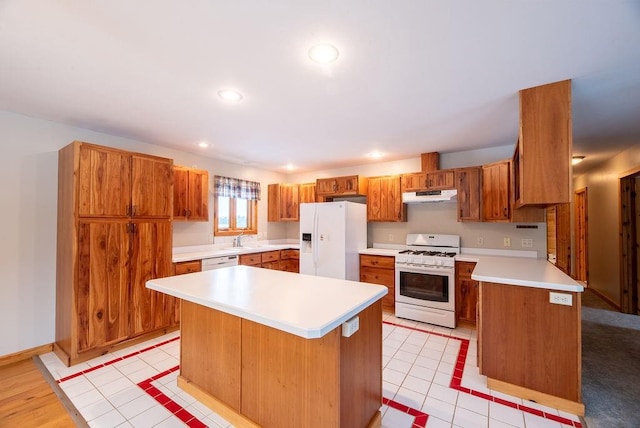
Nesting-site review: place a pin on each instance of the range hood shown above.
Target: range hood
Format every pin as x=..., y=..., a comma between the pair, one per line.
x=429, y=196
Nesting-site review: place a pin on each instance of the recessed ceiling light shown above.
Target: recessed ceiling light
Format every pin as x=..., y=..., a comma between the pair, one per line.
x=323, y=53
x=203, y=144
x=290, y=167
x=576, y=160
x=229, y=95
x=375, y=154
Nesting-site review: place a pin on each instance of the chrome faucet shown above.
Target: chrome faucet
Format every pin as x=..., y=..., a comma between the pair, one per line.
x=238, y=240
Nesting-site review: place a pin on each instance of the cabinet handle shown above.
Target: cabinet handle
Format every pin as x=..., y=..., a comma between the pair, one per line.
x=188, y=213
x=506, y=212
x=134, y=208
x=127, y=210
x=184, y=213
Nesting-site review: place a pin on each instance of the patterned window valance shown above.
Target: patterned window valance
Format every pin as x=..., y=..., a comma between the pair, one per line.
x=235, y=188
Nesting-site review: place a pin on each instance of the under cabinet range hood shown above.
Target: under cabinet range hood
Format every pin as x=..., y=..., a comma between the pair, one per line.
x=426, y=196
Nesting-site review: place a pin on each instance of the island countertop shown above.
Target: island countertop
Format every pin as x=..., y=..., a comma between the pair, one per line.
x=305, y=305
x=522, y=271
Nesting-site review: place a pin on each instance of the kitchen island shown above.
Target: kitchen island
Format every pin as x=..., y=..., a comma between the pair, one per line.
x=529, y=331
x=267, y=348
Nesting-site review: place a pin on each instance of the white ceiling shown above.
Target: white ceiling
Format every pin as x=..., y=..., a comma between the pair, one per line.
x=413, y=76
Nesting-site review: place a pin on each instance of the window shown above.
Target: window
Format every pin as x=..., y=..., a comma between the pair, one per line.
x=235, y=206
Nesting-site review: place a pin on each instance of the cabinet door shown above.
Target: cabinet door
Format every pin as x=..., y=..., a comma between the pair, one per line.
x=152, y=187
x=441, y=180
x=150, y=258
x=198, y=205
x=384, y=199
x=180, y=193
x=469, y=189
x=466, y=293
x=495, y=191
x=288, y=204
x=307, y=193
x=414, y=182
x=102, y=294
x=326, y=186
x=104, y=182
x=250, y=259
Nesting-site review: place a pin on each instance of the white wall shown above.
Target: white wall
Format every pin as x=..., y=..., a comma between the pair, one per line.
x=28, y=215
x=603, y=211
x=437, y=218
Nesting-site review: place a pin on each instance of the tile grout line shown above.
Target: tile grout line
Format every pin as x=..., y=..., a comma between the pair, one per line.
x=456, y=381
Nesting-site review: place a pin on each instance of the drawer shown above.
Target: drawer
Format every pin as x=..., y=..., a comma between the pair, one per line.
x=269, y=256
x=271, y=265
x=250, y=259
x=387, y=262
x=289, y=254
x=375, y=275
x=465, y=269
x=187, y=267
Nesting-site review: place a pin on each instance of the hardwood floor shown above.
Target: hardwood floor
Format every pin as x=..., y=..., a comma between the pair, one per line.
x=27, y=400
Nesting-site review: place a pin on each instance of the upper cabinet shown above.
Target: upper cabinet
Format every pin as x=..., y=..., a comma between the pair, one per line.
x=469, y=187
x=437, y=180
x=351, y=185
x=283, y=202
x=384, y=199
x=495, y=191
x=190, y=194
x=115, y=183
x=307, y=193
x=542, y=159
x=498, y=203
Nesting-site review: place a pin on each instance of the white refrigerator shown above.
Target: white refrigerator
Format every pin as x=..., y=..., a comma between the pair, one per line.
x=331, y=236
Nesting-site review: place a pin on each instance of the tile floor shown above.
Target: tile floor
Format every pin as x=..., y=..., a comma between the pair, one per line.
x=430, y=379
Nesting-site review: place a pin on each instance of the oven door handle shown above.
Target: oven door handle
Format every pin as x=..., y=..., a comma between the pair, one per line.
x=435, y=271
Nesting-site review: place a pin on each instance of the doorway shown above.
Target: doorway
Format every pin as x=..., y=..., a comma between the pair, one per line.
x=581, y=228
x=629, y=241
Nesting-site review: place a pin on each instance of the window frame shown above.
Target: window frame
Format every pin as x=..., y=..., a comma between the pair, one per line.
x=252, y=218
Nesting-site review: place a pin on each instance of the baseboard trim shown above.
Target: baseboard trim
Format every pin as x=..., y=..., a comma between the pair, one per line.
x=605, y=298
x=25, y=355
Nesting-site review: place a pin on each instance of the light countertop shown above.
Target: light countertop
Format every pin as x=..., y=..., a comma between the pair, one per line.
x=305, y=305
x=521, y=268
x=199, y=252
x=522, y=271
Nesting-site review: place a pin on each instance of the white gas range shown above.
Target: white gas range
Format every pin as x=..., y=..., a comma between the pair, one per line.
x=425, y=279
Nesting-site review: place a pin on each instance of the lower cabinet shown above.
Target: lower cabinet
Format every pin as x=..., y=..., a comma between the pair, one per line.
x=286, y=260
x=191, y=266
x=290, y=260
x=380, y=270
x=466, y=293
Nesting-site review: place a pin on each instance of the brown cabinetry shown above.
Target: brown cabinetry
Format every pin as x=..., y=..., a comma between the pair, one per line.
x=543, y=153
x=384, y=199
x=286, y=260
x=283, y=202
x=307, y=193
x=469, y=188
x=380, y=270
x=498, y=197
x=351, y=185
x=190, y=194
x=191, y=266
x=436, y=180
x=120, y=238
x=290, y=260
x=559, y=236
x=466, y=293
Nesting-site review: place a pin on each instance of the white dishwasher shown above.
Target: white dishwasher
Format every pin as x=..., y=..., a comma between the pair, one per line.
x=219, y=262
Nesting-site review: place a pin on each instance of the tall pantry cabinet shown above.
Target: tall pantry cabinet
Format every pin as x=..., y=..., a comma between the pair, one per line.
x=114, y=234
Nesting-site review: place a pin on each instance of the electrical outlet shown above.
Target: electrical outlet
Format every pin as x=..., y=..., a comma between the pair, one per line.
x=507, y=241
x=527, y=243
x=560, y=298
x=390, y=237
x=480, y=241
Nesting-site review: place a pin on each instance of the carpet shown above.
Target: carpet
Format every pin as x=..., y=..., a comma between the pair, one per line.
x=610, y=368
